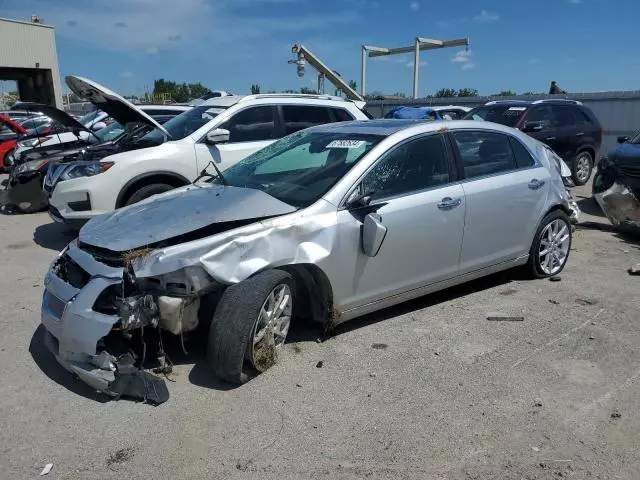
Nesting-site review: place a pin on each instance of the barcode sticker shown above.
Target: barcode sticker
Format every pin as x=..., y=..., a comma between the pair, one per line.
x=346, y=144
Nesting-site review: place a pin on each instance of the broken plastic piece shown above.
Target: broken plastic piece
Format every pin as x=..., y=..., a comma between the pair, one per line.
x=47, y=468
x=634, y=269
x=620, y=205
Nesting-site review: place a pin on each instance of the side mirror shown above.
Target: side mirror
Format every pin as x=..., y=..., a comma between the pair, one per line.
x=218, y=135
x=373, y=234
x=532, y=126
x=623, y=139
x=98, y=126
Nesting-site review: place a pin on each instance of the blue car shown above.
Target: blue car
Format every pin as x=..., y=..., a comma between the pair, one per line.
x=414, y=113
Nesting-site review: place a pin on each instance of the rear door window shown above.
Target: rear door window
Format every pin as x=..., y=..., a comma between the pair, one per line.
x=299, y=117
x=252, y=124
x=341, y=115
x=523, y=157
x=563, y=116
x=541, y=114
x=484, y=153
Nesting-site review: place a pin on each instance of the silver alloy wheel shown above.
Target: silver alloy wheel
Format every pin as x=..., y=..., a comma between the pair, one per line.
x=583, y=168
x=554, y=246
x=272, y=326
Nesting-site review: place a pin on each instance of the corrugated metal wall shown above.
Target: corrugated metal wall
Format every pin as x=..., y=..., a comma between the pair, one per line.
x=619, y=112
x=30, y=45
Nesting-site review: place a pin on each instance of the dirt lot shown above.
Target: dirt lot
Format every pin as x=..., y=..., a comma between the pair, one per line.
x=426, y=390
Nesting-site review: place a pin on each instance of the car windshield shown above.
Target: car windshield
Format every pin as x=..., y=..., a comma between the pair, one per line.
x=302, y=167
x=110, y=132
x=89, y=118
x=185, y=124
x=508, y=115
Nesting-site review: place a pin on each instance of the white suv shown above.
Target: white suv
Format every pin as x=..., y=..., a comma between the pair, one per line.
x=220, y=131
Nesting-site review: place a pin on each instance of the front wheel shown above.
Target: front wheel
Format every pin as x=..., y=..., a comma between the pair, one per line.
x=551, y=245
x=147, y=191
x=250, y=324
x=582, y=166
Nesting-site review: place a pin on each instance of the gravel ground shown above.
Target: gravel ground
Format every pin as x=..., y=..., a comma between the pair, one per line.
x=435, y=391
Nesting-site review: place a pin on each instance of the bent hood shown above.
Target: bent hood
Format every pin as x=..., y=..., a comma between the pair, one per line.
x=179, y=216
x=121, y=110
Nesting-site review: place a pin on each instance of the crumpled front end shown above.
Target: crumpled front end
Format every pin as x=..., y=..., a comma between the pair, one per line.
x=105, y=326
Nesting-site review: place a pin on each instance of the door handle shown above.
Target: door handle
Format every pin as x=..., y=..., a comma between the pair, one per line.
x=535, y=184
x=448, y=203
x=579, y=134
x=550, y=138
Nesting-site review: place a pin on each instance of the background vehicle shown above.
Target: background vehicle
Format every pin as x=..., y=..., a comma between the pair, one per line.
x=327, y=224
x=567, y=126
x=18, y=115
x=10, y=131
x=24, y=192
x=220, y=132
x=35, y=122
x=449, y=112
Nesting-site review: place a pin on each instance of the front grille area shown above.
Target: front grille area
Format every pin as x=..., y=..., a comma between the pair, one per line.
x=72, y=273
x=108, y=257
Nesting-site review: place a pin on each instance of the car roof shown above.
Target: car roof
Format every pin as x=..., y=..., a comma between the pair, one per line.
x=387, y=127
x=164, y=107
x=284, y=98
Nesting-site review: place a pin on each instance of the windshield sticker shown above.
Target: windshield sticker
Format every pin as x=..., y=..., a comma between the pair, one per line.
x=518, y=109
x=346, y=144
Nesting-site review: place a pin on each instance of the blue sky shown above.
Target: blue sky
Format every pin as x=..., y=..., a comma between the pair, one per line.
x=585, y=45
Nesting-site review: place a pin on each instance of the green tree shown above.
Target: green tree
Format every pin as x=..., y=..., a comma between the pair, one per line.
x=255, y=89
x=308, y=91
x=288, y=91
x=399, y=94
x=374, y=96
x=467, y=92
x=445, y=93
x=353, y=85
x=177, y=92
x=506, y=93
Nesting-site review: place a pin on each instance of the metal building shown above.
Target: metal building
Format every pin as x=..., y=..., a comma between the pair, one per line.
x=28, y=56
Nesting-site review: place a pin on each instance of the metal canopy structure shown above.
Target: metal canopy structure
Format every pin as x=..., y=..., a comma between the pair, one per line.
x=421, y=44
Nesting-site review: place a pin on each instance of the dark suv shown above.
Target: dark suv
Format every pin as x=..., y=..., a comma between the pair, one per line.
x=567, y=126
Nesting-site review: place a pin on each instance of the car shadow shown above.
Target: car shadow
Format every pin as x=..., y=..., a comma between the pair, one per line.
x=54, y=236
x=589, y=206
x=50, y=367
x=485, y=283
x=4, y=182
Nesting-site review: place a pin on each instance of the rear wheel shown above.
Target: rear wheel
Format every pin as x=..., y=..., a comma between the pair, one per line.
x=250, y=324
x=551, y=245
x=582, y=166
x=147, y=191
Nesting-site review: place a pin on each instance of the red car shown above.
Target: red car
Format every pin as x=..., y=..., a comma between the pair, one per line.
x=9, y=133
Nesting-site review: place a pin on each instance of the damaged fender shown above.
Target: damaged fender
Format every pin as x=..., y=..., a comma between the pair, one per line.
x=620, y=205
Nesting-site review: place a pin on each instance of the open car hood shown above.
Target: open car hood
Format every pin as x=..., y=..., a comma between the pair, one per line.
x=52, y=112
x=113, y=104
x=179, y=216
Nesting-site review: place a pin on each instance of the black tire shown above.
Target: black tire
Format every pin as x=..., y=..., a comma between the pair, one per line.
x=231, y=332
x=533, y=265
x=147, y=191
x=579, y=179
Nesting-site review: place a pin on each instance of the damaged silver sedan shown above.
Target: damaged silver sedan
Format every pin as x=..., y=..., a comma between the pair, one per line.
x=325, y=225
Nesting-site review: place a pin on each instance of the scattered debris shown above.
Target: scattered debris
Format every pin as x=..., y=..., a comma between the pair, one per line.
x=538, y=402
x=616, y=414
x=535, y=449
x=298, y=385
x=297, y=348
x=500, y=317
x=508, y=292
x=436, y=353
x=372, y=375
x=47, y=468
x=586, y=301
x=555, y=278
x=555, y=302
x=625, y=251
x=634, y=269
x=379, y=346
x=591, y=337
x=320, y=364
x=120, y=456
